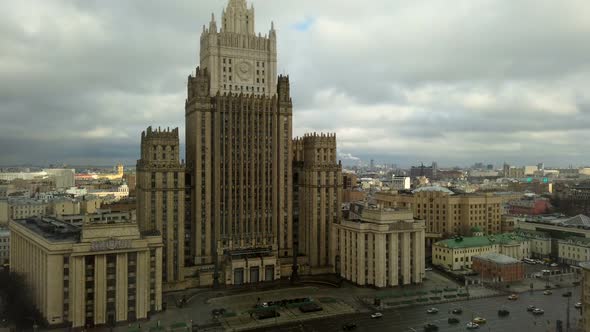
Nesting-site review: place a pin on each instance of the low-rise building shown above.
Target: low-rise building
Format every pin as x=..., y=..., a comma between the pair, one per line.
x=4, y=246
x=380, y=247
x=573, y=250
x=457, y=253
x=540, y=243
x=353, y=195
x=401, y=183
x=585, y=296
x=531, y=206
x=498, y=268
x=90, y=275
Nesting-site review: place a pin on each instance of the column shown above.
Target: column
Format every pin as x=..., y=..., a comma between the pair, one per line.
x=100, y=289
x=142, y=285
x=77, y=291
x=122, y=290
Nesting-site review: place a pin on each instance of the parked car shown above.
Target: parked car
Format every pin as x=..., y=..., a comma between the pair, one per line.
x=554, y=265
x=479, y=320
x=457, y=311
x=538, y=311
x=430, y=327
x=377, y=315
x=530, y=308
x=547, y=292
x=503, y=312
x=453, y=320
x=472, y=326
x=513, y=297
x=349, y=326
x=578, y=305
x=567, y=294
x=428, y=269
x=432, y=311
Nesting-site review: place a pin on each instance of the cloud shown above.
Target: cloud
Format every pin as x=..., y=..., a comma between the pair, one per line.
x=397, y=80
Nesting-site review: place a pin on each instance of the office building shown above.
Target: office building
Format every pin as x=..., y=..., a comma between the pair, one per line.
x=380, y=247
x=4, y=245
x=100, y=273
x=317, y=185
x=585, y=296
x=446, y=213
x=239, y=154
x=161, y=199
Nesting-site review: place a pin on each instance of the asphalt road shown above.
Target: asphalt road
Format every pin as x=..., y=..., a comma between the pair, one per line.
x=414, y=318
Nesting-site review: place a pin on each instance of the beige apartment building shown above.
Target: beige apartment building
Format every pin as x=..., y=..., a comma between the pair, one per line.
x=446, y=213
x=317, y=195
x=161, y=199
x=101, y=273
x=238, y=152
x=381, y=247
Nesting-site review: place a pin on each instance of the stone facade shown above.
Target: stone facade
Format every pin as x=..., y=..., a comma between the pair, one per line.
x=161, y=199
x=585, y=296
x=238, y=150
x=317, y=184
x=380, y=247
x=238, y=60
x=498, y=268
x=97, y=274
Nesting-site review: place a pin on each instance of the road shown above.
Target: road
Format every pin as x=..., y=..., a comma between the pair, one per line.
x=414, y=318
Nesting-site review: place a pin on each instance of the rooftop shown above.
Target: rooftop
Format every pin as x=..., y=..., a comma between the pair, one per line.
x=497, y=258
x=433, y=188
x=51, y=229
x=481, y=241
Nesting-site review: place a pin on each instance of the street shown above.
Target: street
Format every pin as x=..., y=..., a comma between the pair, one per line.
x=414, y=318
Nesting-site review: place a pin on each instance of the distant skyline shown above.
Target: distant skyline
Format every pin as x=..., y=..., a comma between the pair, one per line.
x=404, y=81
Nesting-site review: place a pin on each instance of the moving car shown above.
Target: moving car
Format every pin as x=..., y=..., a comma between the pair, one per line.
x=547, y=292
x=428, y=269
x=453, y=320
x=503, y=312
x=578, y=305
x=349, y=326
x=457, y=311
x=530, y=308
x=538, y=311
x=513, y=297
x=430, y=327
x=472, y=326
x=377, y=315
x=479, y=320
x=554, y=265
x=432, y=310
x=567, y=294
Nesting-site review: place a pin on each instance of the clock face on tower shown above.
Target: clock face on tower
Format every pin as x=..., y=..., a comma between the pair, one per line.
x=244, y=70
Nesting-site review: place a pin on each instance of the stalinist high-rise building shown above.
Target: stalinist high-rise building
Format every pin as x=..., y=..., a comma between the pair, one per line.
x=238, y=153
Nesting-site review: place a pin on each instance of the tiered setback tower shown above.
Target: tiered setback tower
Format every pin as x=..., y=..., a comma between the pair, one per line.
x=161, y=197
x=317, y=199
x=239, y=161
x=238, y=60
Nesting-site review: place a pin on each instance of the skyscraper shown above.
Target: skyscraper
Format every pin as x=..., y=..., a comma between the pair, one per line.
x=160, y=199
x=317, y=199
x=238, y=151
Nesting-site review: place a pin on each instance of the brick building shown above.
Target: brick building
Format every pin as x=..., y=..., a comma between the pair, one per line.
x=498, y=267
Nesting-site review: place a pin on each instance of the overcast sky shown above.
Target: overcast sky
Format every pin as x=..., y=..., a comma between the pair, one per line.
x=398, y=81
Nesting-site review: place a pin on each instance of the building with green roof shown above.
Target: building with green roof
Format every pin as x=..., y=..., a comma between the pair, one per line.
x=457, y=253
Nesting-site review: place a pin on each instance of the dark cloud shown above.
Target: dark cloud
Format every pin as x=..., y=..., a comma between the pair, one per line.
x=403, y=81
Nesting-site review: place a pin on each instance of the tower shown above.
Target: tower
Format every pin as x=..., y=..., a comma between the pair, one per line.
x=317, y=198
x=160, y=199
x=238, y=150
x=120, y=170
x=238, y=60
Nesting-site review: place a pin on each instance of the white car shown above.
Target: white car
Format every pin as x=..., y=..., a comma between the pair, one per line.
x=472, y=326
x=432, y=311
x=538, y=311
x=554, y=265
x=428, y=269
x=578, y=305
x=377, y=315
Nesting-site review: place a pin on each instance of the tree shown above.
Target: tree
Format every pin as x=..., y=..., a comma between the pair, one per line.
x=17, y=305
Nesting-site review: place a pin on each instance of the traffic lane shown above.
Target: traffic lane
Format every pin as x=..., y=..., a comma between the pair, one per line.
x=410, y=319
x=414, y=318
